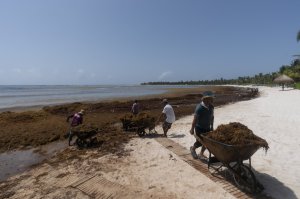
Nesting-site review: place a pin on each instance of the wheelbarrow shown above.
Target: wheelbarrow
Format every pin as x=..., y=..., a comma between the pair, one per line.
x=139, y=126
x=85, y=139
x=232, y=158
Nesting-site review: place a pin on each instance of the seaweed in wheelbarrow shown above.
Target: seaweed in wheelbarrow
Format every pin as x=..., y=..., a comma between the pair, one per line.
x=230, y=145
x=86, y=135
x=236, y=133
x=138, y=123
x=127, y=122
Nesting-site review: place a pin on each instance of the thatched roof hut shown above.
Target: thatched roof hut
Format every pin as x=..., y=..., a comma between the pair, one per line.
x=283, y=79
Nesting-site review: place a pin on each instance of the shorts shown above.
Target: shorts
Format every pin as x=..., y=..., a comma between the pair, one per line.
x=167, y=125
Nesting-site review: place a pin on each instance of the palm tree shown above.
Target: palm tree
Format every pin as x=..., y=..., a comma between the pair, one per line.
x=298, y=39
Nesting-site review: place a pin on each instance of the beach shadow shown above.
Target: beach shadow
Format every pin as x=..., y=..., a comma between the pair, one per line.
x=274, y=186
x=287, y=89
x=152, y=135
x=156, y=135
x=270, y=184
x=176, y=135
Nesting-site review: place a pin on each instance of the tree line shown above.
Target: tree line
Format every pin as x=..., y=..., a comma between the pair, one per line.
x=257, y=79
x=292, y=70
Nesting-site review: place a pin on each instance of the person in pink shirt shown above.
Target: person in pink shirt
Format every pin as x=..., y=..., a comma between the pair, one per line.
x=77, y=119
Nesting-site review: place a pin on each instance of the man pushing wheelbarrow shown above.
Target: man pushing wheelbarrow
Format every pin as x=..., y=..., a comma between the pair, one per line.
x=86, y=134
x=77, y=119
x=202, y=123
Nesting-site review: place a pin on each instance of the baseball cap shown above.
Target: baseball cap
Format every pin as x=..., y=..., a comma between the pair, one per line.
x=208, y=94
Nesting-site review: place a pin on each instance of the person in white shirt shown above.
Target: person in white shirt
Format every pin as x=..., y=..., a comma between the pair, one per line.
x=169, y=114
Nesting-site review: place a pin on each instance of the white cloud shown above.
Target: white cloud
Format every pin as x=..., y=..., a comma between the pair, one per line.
x=80, y=75
x=80, y=71
x=164, y=75
x=17, y=70
x=92, y=75
x=109, y=77
x=34, y=72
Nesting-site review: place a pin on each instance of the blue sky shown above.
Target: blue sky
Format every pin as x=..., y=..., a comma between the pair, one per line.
x=134, y=41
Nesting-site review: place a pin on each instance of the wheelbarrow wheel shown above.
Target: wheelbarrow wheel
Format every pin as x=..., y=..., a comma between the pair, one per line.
x=80, y=143
x=244, y=178
x=141, y=132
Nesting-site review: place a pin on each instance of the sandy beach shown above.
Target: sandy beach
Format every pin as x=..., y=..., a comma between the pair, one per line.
x=273, y=116
x=146, y=169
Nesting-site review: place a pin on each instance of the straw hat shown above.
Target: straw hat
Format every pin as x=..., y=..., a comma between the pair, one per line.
x=81, y=112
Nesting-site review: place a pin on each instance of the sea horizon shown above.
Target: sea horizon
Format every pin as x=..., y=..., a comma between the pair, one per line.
x=14, y=96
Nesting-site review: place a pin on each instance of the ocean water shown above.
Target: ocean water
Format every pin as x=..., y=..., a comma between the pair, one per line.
x=15, y=96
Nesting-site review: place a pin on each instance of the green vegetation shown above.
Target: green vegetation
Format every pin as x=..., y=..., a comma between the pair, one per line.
x=297, y=85
x=265, y=79
x=292, y=70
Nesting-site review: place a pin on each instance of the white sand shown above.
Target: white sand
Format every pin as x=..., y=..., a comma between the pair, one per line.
x=274, y=116
x=153, y=171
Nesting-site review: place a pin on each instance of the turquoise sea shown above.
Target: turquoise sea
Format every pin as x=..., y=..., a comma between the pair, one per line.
x=15, y=96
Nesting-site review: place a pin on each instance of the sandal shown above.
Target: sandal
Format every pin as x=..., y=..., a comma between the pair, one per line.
x=193, y=152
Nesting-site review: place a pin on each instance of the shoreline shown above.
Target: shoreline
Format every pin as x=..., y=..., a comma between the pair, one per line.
x=169, y=92
x=85, y=98
x=34, y=128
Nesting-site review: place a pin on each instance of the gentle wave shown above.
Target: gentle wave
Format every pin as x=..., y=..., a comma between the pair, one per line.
x=38, y=95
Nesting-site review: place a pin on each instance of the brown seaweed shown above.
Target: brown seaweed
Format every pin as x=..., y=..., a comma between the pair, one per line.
x=236, y=133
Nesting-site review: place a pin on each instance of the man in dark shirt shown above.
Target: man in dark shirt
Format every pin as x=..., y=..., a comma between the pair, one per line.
x=202, y=123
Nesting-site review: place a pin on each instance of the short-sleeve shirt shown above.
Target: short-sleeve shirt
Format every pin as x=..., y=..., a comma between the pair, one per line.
x=169, y=112
x=135, y=108
x=204, y=116
x=76, y=119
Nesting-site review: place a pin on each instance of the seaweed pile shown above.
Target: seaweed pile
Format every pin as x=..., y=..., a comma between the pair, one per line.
x=236, y=133
x=39, y=127
x=143, y=120
x=85, y=128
